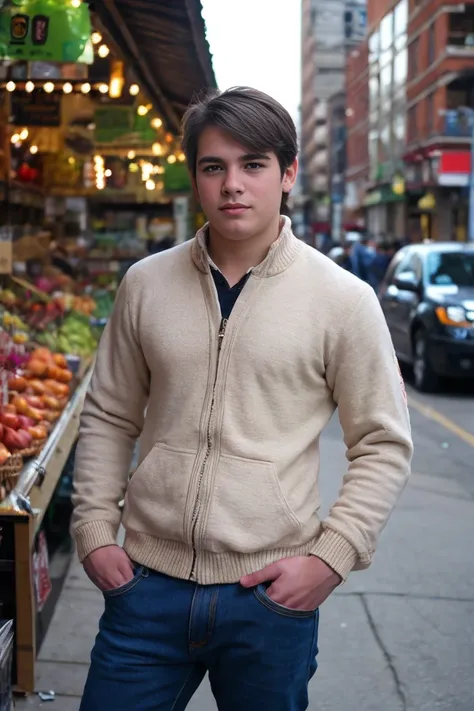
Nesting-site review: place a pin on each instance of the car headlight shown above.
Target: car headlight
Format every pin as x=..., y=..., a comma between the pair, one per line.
x=453, y=316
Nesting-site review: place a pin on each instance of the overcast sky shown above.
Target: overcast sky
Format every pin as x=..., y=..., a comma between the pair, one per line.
x=257, y=43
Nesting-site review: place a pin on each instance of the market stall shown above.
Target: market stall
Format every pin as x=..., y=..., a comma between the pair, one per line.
x=92, y=179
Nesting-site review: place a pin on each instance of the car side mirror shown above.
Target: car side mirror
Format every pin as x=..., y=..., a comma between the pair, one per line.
x=407, y=281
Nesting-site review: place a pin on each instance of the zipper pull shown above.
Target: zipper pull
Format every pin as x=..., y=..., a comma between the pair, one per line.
x=221, y=333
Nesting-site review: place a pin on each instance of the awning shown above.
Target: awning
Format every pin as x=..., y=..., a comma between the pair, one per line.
x=165, y=44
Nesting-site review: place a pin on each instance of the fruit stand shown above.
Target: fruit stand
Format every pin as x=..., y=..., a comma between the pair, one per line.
x=48, y=339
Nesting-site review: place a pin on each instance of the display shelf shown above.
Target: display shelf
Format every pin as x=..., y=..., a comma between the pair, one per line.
x=22, y=517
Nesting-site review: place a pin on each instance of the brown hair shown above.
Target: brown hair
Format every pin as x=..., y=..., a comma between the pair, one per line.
x=250, y=117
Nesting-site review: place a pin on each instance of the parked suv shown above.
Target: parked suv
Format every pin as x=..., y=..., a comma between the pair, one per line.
x=428, y=300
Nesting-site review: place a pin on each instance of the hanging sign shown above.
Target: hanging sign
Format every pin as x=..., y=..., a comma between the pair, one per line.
x=47, y=30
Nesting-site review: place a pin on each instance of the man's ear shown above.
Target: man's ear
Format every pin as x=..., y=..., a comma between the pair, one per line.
x=289, y=177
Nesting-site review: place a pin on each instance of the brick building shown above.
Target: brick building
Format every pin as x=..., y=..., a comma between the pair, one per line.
x=409, y=150
x=440, y=85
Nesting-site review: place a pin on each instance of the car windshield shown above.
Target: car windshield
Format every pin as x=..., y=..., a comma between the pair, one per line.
x=451, y=268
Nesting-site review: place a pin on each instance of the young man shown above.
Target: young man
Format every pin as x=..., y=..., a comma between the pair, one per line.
x=227, y=356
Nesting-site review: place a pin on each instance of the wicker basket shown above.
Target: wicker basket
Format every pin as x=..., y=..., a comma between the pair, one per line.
x=10, y=472
x=34, y=450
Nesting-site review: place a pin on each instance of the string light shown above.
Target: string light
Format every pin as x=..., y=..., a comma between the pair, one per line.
x=96, y=38
x=108, y=173
x=150, y=185
x=103, y=51
x=172, y=159
x=76, y=3
x=157, y=123
x=49, y=87
x=131, y=155
x=157, y=149
x=181, y=157
x=104, y=88
x=11, y=86
x=134, y=90
x=133, y=167
x=99, y=172
x=142, y=110
x=67, y=88
x=85, y=88
x=34, y=150
x=29, y=87
x=24, y=134
x=71, y=160
x=169, y=138
x=15, y=138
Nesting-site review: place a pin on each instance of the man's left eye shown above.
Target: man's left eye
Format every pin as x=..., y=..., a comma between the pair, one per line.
x=254, y=166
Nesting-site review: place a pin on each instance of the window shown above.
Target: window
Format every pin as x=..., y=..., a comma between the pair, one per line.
x=400, y=19
x=413, y=58
x=450, y=269
x=431, y=44
x=400, y=72
x=429, y=115
x=412, y=123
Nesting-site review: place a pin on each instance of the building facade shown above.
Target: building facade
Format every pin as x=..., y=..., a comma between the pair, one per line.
x=411, y=147
x=328, y=30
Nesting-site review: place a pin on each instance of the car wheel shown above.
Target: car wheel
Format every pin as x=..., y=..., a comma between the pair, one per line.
x=426, y=380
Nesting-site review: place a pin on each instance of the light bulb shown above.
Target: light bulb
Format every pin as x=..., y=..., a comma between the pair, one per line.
x=15, y=138
x=131, y=155
x=142, y=111
x=29, y=87
x=134, y=90
x=157, y=123
x=24, y=134
x=104, y=88
x=85, y=88
x=181, y=157
x=108, y=173
x=34, y=150
x=133, y=167
x=76, y=3
x=49, y=87
x=172, y=159
x=150, y=185
x=11, y=86
x=103, y=51
x=96, y=38
x=157, y=149
x=67, y=88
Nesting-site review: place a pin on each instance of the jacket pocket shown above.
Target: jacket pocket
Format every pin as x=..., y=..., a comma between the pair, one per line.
x=156, y=496
x=248, y=510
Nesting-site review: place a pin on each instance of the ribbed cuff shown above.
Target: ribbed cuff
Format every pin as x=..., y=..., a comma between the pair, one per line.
x=335, y=551
x=93, y=535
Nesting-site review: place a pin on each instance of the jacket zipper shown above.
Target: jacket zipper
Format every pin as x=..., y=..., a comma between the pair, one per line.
x=195, y=517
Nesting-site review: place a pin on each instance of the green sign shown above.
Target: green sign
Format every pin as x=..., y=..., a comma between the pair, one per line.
x=46, y=30
x=122, y=124
x=176, y=178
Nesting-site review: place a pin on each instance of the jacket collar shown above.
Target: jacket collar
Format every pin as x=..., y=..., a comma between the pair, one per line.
x=281, y=254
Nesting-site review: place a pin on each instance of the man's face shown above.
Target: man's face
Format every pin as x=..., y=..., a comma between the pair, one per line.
x=240, y=191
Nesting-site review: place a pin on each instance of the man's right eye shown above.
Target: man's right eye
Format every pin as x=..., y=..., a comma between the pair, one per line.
x=212, y=168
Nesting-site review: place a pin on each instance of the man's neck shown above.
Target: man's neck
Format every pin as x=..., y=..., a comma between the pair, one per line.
x=236, y=258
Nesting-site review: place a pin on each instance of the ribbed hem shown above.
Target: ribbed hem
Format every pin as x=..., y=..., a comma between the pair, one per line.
x=93, y=535
x=336, y=551
x=175, y=559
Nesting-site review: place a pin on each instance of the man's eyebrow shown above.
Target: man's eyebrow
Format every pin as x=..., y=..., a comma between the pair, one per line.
x=243, y=159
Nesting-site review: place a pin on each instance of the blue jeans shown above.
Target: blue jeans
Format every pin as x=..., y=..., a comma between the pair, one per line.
x=159, y=636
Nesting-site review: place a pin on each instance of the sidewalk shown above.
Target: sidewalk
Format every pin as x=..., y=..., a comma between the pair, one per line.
x=397, y=637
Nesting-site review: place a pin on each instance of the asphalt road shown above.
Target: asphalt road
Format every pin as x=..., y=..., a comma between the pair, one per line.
x=398, y=637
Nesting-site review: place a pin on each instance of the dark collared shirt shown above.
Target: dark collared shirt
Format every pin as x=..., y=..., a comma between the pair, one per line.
x=227, y=295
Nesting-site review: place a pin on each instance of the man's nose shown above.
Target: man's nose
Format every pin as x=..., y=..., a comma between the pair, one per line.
x=232, y=184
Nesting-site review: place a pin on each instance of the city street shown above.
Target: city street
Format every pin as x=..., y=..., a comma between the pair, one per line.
x=397, y=637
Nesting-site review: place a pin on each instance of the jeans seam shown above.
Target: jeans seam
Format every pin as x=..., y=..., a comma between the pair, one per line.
x=182, y=689
x=313, y=640
x=280, y=610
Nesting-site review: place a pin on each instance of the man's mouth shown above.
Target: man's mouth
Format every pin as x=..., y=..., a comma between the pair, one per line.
x=234, y=208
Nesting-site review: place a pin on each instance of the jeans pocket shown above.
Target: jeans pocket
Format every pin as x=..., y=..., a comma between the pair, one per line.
x=261, y=594
x=139, y=572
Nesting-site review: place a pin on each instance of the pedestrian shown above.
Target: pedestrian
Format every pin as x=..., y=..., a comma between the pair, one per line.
x=227, y=356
